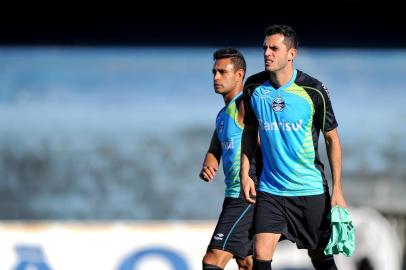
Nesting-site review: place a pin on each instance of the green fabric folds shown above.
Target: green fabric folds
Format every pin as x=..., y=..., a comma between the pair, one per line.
x=342, y=239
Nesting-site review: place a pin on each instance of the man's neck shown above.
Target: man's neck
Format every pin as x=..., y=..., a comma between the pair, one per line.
x=281, y=77
x=229, y=96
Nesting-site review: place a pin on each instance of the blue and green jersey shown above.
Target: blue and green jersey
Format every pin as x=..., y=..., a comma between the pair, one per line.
x=229, y=134
x=289, y=119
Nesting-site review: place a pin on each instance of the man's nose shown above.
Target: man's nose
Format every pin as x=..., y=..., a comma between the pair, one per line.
x=267, y=52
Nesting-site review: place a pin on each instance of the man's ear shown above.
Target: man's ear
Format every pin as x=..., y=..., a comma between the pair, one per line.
x=240, y=74
x=292, y=54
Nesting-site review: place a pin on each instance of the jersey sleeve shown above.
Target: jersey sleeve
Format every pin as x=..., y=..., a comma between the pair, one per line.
x=249, y=116
x=215, y=146
x=324, y=114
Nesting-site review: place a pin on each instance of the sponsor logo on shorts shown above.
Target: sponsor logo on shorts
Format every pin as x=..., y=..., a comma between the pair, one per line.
x=218, y=237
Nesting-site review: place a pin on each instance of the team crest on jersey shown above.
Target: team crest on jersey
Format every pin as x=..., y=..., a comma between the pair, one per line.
x=278, y=104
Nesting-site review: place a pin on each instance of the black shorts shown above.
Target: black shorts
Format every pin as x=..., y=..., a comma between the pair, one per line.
x=300, y=219
x=234, y=232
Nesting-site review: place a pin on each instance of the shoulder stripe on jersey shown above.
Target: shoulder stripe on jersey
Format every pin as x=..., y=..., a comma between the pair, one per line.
x=232, y=110
x=324, y=103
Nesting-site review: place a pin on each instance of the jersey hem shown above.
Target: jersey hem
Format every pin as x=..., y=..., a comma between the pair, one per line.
x=293, y=193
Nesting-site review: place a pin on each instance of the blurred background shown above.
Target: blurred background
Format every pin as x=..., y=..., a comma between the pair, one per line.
x=106, y=121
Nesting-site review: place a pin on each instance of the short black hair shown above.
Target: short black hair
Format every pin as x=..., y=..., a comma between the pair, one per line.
x=288, y=32
x=236, y=57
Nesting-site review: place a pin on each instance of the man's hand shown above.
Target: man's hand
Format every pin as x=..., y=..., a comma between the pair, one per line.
x=248, y=189
x=207, y=173
x=337, y=198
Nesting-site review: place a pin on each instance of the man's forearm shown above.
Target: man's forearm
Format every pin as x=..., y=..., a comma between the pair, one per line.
x=211, y=160
x=245, y=165
x=333, y=146
x=335, y=159
x=248, y=146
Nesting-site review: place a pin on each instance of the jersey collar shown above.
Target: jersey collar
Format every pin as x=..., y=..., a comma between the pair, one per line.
x=286, y=85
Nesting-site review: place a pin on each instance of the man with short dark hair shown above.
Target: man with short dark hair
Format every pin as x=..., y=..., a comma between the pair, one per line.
x=232, y=236
x=289, y=109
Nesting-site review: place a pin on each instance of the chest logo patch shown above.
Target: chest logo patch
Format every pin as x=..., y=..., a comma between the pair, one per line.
x=278, y=104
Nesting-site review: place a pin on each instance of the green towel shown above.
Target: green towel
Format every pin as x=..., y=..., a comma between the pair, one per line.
x=342, y=239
